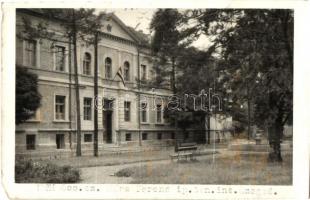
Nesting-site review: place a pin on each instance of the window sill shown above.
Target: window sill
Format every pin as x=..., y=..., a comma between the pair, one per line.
x=87, y=75
x=60, y=71
x=159, y=124
x=61, y=121
x=146, y=123
x=33, y=121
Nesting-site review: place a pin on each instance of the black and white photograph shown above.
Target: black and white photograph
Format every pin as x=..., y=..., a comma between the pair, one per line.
x=154, y=96
x=154, y=101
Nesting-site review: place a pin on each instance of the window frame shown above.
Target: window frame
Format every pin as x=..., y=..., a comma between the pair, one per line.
x=126, y=71
x=55, y=107
x=108, y=68
x=87, y=106
x=33, y=145
x=86, y=139
x=128, y=139
x=26, y=53
x=159, y=112
x=56, y=46
x=159, y=136
x=127, y=111
x=144, y=136
x=87, y=63
x=143, y=112
x=62, y=145
x=143, y=72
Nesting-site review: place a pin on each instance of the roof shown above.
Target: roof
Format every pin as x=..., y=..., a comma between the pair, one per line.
x=138, y=36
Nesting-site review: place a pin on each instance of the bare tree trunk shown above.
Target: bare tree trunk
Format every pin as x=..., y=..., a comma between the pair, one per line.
x=70, y=94
x=173, y=76
x=96, y=97
x=138, y=100
x=275, y=138
x=208, y=127
x=173, y=87
x=77, y=90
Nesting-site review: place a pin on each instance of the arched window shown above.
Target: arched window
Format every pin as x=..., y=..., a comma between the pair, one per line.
x=126, y=71
x=87, y=64
x=108, y=67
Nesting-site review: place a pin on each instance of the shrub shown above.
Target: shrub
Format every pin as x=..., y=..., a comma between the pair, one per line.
x=127, y=172
x=29, y=171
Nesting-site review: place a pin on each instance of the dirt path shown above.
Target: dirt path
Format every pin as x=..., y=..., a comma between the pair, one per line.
x=105, y=174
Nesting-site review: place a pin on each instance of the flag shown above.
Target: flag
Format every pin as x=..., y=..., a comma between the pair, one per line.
x=119, y=73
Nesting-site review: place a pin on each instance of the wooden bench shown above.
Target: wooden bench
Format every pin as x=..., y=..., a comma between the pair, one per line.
x=185, y=150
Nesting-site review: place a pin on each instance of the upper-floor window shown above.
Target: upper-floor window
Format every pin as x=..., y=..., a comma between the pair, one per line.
x=30, y=53
x=127, y=111
x=143, y=112
x=158, y=113
x=87, y=64
x=108, y=67
x=143, y=72
x=60, y=58
x=60, y=108
x=87, y=108
x=126, y=71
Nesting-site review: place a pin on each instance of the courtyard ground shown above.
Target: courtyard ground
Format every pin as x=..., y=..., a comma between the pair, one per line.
x=225, y=167
x=216, y=164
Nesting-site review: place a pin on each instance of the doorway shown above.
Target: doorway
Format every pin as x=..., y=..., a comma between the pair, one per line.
x=108, y=126
x=107, y=120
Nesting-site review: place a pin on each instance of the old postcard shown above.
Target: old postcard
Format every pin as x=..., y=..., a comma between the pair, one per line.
x=178, y=101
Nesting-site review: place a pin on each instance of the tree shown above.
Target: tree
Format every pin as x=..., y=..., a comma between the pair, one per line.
x=166, y=41
x=28, y=98
x=93, y=31
x=170, y=43
x=256, y=49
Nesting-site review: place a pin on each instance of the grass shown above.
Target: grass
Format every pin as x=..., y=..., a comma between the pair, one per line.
x=243, y=169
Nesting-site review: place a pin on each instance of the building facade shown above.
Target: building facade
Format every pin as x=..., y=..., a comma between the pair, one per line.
x=122, y=121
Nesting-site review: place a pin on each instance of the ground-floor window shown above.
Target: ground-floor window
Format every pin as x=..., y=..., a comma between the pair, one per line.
x=31, y=142
x=144, y=136
x=88, y=137
x=186, y=135
x=128, y=137
x=60, y=141
x=172, y=135
x=159, y=136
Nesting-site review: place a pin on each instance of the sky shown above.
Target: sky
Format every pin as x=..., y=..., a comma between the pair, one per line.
x=140, y=20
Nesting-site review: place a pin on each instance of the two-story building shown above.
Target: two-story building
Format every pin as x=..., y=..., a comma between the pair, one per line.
x=128, y=115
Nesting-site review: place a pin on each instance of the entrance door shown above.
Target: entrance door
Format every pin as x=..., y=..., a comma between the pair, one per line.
x=108, y=126
x=107, y=119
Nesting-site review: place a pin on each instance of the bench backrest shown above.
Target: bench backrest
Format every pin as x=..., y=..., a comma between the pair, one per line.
x=186, y=146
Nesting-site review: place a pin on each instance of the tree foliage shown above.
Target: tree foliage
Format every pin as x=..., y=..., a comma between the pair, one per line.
x=166, y=44
x=256, y=50
x=27, y=99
